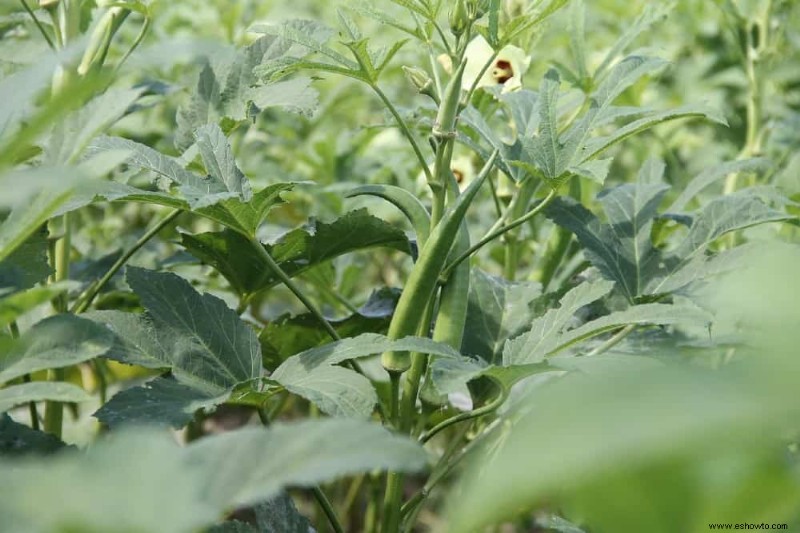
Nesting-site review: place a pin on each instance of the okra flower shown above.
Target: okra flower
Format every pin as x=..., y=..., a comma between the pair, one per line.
x=506, y=70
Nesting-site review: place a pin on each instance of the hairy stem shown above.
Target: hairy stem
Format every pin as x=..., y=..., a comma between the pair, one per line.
x=83, y=303
x=498, y=232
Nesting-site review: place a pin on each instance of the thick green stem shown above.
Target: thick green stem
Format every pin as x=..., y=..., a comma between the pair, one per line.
x=53, y=410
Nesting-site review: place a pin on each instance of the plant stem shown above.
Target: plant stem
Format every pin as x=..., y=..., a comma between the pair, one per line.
x=404, y=128
x=613, y=340
x=292, y=286
x=319, y=495
x=327, y=508
x=470, y=415
x=93, y=290
x=492, y=235
x=53, y=410
x=30, y=12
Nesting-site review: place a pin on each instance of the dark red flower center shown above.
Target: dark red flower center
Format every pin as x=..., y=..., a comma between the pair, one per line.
x=502, y=71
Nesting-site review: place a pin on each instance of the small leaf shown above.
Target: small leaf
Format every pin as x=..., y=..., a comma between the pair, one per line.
x=28, y=264
x=218, y=157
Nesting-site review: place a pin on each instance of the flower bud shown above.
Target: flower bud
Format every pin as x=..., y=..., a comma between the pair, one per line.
x=419, y=78
x=48, y=4
x=458, y=17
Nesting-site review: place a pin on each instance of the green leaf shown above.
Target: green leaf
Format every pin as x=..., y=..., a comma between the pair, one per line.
x=217, y=154
x=37, y=391
x=709, y=176
x=17, y=304
x=134, y=480
x=137, y=341
x=621, y=433
x=621, y=249
x=338, y=391
x=452, y=375
x=657, y=314
x=20, y=186
x=206, y=346
x=650, y=118
x=725, y=214
x=652, y=13
x=302, y=454
x=28, y=264
x=545, y=332
x=295, y=252
x=498, y=310
x=277, y=515
x=18, y=440
x=197, y=191
x=287, y=335
x=55, y=342
x=335, y=390
x=212, y=348
x=361, y=346
x=308, y=37
x=73, y=134
x=162, y=401
x=27, y=219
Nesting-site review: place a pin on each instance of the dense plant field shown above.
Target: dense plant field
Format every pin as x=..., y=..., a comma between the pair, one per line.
x=399, y=265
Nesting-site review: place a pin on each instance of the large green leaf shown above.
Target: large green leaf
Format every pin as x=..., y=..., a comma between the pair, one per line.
x=545, y=331
x=498, y=310
x=28, y=218
x=301, y=454
x=212, y=348
x=686, y=444
x=133, y=480
x=204, y=343
x=140, y=480
x=55, y=342
x=296, y=251
x=37, y=391
x=228, y=87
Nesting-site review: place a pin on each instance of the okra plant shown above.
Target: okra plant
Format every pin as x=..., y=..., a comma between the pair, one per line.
x=475, y=265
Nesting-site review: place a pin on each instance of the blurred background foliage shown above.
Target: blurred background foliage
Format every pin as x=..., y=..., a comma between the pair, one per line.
x=628, y=469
